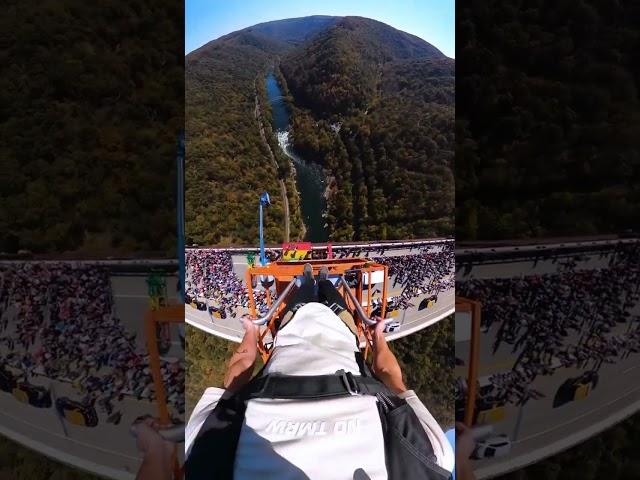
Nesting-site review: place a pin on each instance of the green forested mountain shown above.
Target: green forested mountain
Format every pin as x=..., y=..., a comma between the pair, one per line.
x=227, y=163
x=374, y=106
x=338, y=71
x=91, y=102
x=294, y=31
x=548, y=118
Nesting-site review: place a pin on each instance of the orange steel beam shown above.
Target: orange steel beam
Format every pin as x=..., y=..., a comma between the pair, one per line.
x=285, y=271
x=252, y=302
x=464, y=304
x=369, y=292
x=358, y=291
x=474, y=308
x=170, y=314
x=154, y=364
x=384, y=293
x=269, y=297
x=360, y=326
x=474, y=353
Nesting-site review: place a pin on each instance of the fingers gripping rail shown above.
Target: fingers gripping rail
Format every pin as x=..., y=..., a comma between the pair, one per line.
x=172, y=434
x=363, y=316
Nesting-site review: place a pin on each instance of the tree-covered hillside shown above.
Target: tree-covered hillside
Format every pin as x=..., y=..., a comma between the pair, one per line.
x=548, y=118
x=91, y=101
x=294, y=31
x=375, y=107
x=227, y=163
x=338, y=71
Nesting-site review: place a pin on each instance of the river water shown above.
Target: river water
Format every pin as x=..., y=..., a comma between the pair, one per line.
x=309, y=176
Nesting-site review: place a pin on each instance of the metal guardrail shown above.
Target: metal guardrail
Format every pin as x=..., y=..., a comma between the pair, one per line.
x=391, y=244
x=359, y=309
x=533, y=252
x=266, y=317
x=537, y=248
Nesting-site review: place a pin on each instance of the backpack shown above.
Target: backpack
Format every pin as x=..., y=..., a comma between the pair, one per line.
x=409, y=454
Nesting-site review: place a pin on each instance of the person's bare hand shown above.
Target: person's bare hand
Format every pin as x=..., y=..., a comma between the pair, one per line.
x=379, y=326
x=158, y=453
x=247, y=323
x=148, y=440
x=385, y=365
x=243, y=360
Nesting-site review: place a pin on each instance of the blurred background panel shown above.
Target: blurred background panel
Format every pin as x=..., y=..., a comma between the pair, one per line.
x=547, y=210
x=92, y=99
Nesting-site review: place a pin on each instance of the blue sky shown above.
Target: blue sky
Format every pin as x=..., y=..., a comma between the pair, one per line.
x=431, y=20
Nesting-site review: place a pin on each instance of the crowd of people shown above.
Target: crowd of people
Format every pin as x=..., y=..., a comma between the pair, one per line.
x=429, y=271
x=211, y=276
x=58, y=321
x=582, y=315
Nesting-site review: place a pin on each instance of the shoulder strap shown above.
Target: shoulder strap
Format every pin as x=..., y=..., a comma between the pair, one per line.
x=365, y=371
x=214, y=450
x=408, y=449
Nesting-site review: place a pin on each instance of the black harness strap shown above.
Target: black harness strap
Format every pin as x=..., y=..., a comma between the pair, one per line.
x=365, y=371
x=317, y=386
x=214, y=449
